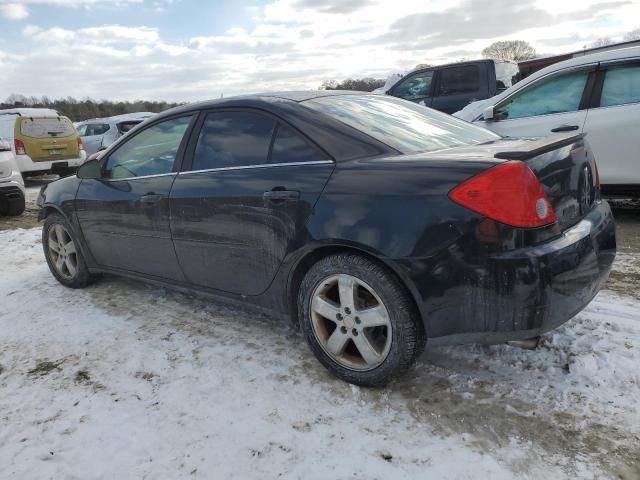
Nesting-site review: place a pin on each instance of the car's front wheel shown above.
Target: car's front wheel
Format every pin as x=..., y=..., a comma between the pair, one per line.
x=63, y=254
x=359, y=320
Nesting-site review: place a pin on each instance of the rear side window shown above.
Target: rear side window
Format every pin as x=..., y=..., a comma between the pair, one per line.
x=289, y=146
x=415, y=86
x=621, y=86
x=46, y=127
x=559, y=94
x=233, y=139
x=456, y=80
x=152, y=152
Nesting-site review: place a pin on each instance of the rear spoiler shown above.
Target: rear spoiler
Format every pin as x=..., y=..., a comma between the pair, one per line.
x=527, y=148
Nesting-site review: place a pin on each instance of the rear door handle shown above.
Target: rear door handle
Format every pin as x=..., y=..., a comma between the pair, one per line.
x=565, y=128
x=151, y=198
x=281, y=195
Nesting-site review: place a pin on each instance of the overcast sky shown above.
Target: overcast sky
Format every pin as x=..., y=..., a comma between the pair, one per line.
x=184, y=50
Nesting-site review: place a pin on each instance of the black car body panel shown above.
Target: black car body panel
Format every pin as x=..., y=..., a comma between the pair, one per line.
x=221, y=232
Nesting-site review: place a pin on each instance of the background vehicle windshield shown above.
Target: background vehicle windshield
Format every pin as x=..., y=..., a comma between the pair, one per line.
x=403, y=125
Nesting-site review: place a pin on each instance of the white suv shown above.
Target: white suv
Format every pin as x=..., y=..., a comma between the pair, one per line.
x=596, y=94
x=12, y=191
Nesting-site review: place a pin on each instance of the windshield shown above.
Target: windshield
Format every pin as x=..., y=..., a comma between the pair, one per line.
x=403, y=125
x=507, y=74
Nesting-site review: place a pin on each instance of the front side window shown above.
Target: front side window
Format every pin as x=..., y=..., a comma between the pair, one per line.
x=621, y=86
x=153, y=151
x=405, y=126
x=414, y=87
x=289, y=146
x=458, y=80
x=233, y=139
x=559, y=94
x=82, y=130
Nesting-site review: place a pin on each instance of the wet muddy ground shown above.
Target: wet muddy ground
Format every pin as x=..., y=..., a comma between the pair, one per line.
x=560, y=409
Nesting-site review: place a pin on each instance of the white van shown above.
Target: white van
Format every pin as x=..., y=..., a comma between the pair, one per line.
x=42, y=141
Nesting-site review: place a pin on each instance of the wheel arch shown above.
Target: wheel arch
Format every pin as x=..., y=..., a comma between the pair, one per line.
x=318, y=252
x=48, y=209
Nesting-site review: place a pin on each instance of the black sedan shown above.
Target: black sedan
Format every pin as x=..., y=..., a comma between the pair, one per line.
x=375, y=224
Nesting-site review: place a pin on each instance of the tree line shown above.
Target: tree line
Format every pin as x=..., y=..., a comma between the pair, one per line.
x=78, y=110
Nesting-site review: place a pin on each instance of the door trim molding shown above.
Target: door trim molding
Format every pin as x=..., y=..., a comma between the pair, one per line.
x=264, y=165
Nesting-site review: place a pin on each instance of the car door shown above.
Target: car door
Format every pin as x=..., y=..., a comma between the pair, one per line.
x=612, y=126
x=460, y=85
x=244, y=200
x=124, y=216
x=416, y=87
x=91, y=134
x=555, y=103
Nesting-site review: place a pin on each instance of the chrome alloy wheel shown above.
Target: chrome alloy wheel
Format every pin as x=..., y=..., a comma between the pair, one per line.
x=350, y=322
x=62, y=251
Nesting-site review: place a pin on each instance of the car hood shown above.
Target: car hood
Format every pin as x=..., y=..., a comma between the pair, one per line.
x=475, y=109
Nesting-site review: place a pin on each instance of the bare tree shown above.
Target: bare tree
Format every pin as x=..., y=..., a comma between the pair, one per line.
x=602, y=42
x=515, y=50
x=632, y=35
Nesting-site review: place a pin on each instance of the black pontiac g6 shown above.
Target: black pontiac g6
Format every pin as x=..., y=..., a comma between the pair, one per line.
x=376, y=224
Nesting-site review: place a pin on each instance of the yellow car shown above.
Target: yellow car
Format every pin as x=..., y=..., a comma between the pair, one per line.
x=42, y=140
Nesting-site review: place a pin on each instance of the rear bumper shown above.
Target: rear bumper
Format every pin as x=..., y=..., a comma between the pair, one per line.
x=528, y=291
x=11, y=192
x=25, y=164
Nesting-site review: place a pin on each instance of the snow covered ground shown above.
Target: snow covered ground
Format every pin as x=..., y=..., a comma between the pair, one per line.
x=123, y=380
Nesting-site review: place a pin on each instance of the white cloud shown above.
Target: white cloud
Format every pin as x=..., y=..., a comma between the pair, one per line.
x=290, y=47
x=14, y=11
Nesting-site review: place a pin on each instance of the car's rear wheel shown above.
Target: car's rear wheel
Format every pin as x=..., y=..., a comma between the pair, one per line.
x=63, y=254
x=359, y=320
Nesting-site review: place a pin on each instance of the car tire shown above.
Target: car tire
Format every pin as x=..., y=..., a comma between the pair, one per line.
x=63, y=253
x=16, y=208
x=375, y=334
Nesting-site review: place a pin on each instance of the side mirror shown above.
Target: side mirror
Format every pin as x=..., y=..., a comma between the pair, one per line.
x=92, y=169
x=488, y=113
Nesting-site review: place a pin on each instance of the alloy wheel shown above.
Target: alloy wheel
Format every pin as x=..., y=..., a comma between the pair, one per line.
x=350, y=322
x=62, y=251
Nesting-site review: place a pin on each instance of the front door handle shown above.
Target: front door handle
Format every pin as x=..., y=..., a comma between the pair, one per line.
x=151, y=198
x=281, y=195
x=565, y=128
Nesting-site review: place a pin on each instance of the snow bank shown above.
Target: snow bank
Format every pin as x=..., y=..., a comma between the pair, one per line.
x=124, y=380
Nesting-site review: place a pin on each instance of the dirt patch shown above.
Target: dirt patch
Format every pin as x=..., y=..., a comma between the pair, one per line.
x=45, y=367
x=82, y=376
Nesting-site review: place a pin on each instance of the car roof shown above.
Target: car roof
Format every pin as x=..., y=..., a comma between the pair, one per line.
x=31, y=112
x=607, y=55
x=258, y=99
x=119, y=118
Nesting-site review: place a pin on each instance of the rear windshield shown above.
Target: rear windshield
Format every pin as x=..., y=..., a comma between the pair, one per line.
x=507, y=74
x=403, y=125
x=46, y=127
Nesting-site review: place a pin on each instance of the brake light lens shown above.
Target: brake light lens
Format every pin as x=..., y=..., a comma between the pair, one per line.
x=80, y=145
x=508, y=193
x=19, y=144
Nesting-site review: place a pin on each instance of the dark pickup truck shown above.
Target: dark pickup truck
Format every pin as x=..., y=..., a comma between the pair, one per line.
x=451, y=87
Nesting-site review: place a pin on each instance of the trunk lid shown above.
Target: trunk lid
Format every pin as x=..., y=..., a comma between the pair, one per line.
x=48, y=139
x=566, y=168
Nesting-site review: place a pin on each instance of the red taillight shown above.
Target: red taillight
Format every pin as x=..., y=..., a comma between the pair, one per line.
x=509, y=193
x=19, y=147
x=80, y=146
